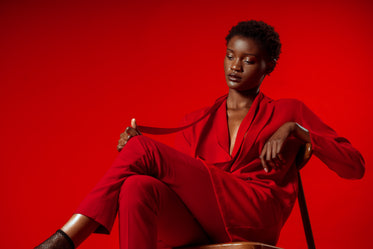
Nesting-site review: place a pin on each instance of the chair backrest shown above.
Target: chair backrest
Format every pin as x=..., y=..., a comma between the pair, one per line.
x=302, y=158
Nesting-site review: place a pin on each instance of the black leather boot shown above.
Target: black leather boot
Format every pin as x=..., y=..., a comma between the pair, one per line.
x=59, y=240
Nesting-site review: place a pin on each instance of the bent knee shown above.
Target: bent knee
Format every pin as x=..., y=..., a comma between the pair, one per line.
x=140, y=145
x=140, y=190
x=140, y=140
x=140, y=183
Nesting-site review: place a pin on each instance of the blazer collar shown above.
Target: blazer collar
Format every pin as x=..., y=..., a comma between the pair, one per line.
x=223, y=131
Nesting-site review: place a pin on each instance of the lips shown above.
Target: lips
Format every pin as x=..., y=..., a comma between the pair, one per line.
x=234, y=77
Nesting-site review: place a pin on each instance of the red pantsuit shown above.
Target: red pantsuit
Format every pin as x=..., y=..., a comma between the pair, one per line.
x=206, y=193
x=161, y=182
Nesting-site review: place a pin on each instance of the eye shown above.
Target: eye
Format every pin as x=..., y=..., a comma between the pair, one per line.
x=249, y=62
x=229, y=56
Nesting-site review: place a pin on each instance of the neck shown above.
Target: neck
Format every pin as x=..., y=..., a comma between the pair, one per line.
x=241, y=100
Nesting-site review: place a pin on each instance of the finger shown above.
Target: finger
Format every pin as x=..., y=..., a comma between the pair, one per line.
x=274, y=160
x=264, y=164
x=131, y=131
x=279, y=147
x=274, y=150
x=262, y=156
x=122, y=141
x=279, y=154
x=269, y=151
x=120, y=147
x=270, y=154
x=134, y=125
x=123, y=135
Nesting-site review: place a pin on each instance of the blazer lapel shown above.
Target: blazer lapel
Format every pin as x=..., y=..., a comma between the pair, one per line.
x=222, y=134
x=260, y=114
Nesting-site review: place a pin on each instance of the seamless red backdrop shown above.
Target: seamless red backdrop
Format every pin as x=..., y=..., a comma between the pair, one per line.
x=73, y=73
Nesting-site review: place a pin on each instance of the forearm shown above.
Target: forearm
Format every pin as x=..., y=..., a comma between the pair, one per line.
x=335, y=151
x=339, y=155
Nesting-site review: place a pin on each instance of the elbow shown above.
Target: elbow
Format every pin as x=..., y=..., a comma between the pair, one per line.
x=360, y=172
x=355, y=169
x=355, y=172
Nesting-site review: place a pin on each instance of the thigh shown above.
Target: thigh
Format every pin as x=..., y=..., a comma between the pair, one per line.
x=189, y=178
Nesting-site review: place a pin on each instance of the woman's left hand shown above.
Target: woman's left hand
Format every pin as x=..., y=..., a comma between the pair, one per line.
x=271, y=156
x=130, y=131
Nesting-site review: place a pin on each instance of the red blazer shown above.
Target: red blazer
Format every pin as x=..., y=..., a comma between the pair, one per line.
x=255, y=204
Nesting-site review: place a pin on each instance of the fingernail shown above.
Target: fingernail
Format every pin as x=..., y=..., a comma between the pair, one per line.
x=266, y=170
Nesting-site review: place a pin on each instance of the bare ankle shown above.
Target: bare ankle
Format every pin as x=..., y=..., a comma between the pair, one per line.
x=79, y=227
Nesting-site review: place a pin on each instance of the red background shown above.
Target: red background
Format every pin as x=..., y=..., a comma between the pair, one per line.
x=72, y=74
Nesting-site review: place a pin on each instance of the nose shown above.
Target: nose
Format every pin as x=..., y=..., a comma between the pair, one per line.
x=236, y=65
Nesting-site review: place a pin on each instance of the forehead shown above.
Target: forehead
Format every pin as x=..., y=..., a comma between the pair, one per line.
x=240, y=44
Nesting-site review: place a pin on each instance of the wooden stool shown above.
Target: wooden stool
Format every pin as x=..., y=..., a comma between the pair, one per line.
x=235, y=245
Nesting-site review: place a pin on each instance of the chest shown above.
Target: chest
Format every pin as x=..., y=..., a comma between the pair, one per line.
x=234, y=120
x=229, y=130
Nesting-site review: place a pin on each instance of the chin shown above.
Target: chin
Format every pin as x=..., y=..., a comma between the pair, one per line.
x=234, y=85
x=241, y=89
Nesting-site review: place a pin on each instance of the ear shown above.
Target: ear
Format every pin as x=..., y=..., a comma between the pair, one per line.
x=271, y=64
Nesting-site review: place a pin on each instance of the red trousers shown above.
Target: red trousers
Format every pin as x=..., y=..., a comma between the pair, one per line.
x=161, y=195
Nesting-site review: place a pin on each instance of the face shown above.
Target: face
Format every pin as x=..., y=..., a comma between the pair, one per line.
x=244, y=64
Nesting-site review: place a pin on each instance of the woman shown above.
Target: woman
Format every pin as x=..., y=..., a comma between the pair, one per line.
x=233, y=177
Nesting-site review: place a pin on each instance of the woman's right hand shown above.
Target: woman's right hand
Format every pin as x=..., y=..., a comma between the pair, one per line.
x=130, y=131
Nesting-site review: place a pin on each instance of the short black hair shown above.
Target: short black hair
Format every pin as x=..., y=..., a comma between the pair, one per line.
x=261, y=32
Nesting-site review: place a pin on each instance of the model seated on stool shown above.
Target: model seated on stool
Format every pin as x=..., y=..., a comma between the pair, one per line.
x=232, y=176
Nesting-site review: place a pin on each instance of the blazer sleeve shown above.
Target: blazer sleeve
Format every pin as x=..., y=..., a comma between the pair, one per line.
x=335, y=151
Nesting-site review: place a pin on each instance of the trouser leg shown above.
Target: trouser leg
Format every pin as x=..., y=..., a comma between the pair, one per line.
x=149, y=211
x=186, y=176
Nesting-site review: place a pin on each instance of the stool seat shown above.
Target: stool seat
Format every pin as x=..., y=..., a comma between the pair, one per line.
x=235, y=245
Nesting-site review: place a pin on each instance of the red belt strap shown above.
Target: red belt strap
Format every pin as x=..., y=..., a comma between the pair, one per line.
x=162, y=131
